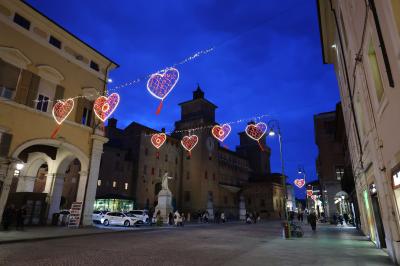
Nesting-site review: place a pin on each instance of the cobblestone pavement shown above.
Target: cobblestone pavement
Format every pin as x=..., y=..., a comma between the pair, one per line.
x=229, y=244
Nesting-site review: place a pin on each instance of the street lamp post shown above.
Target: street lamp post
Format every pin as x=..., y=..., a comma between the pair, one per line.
x=274, y=128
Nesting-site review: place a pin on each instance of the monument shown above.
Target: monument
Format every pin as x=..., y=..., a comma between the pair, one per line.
x=164, y=199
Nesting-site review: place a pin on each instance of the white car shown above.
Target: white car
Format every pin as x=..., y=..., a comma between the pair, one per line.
x=96, y=216
x=118, y=218
x=142, y=215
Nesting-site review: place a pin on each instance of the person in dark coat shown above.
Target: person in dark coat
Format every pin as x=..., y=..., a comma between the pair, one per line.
x=313, y=220
x=8, y=216
x=20, y=217
x=170, y=218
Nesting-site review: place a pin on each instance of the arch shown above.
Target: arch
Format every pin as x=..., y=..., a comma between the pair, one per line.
x=75, y=151
x=14, y=57
x=50, y=73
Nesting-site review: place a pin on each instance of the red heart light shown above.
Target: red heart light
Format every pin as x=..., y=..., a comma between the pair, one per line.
x=299, y=182
x=256, y=131
x=189, y=142
x=62, y=109
x=104, y=106
x=221, y=132
x=158, y=139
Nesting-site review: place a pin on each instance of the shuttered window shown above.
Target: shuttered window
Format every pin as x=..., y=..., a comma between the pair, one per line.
x=9, y=75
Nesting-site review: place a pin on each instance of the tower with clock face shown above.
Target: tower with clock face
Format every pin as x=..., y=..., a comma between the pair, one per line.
x=198, y=171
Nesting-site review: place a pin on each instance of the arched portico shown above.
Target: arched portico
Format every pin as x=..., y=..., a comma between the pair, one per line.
x=57, y=156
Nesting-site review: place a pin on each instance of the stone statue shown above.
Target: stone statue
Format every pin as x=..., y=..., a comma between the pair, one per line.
x=164, y=181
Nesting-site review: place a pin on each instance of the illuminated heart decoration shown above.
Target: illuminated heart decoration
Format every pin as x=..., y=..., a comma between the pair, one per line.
x=221, y=132
x=161, y=84
x=256, y=131
x=189, y=142
x=299, y=182
x=62, y=109
x=158, y=139
x=104, y=106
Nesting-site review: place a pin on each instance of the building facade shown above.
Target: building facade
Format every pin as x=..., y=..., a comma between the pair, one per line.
x=210, y=173
x=362, y=40
x=334, y=166
x=40, y=63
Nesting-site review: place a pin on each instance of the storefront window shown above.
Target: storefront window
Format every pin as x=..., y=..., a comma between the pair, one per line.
x=114, y=205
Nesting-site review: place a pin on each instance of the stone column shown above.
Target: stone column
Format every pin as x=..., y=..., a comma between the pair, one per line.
x=97, y=150
x=55, y=196
x=49, y=183
x=80, y=195
x=6, y=188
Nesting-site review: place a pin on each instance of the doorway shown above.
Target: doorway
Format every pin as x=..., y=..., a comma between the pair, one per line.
x=378, y=220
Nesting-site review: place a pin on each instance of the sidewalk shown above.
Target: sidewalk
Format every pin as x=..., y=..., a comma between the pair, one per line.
x=329, y=245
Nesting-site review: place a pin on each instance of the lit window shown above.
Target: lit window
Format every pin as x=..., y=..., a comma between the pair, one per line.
x=99, y=182
x=114, y=183
x=42, y=103
x=126, y=186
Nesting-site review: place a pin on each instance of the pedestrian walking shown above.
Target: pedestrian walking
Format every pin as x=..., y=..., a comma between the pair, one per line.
x=20, y=218
x=223, y=217
x=8, y=216
x=170, y=218
x=312, y=217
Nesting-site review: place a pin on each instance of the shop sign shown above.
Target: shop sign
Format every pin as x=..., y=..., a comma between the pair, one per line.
x=75, y=214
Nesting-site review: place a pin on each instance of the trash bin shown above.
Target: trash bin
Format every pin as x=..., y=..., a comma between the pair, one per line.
x=54, y=220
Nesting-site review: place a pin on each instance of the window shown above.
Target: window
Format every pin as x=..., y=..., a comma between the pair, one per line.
x=6, y=93
x=205, y=175
x=376, y=75
x=187, y=175
x=126, y=186
x=94, y=65
x=114, y=183
x=99, y=182
x=55, y=42
x=42, y=103
x=152, y=171
x=146, y=151
x=86, y=117
x=145, y=169
x=187, y=196
x=23, y=22
x=339, y=172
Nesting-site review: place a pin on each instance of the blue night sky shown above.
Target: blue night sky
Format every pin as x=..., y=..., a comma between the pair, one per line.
x=267, y=60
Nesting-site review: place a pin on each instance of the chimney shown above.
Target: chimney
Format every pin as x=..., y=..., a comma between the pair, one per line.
x=112, y=122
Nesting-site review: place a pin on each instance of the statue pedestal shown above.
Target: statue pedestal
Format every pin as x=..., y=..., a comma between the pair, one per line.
x=242, y=209
x=164, y=204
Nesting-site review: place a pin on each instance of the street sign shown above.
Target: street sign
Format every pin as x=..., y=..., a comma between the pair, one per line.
x=75, y=215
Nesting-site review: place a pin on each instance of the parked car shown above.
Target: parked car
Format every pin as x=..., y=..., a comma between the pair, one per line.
x=119, y=218
x=142, y=215
x=97, y=215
